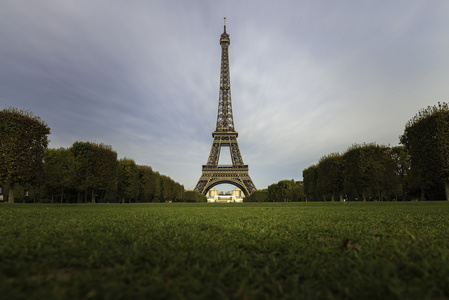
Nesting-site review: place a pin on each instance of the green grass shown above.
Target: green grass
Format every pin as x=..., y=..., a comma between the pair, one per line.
x=225, y=251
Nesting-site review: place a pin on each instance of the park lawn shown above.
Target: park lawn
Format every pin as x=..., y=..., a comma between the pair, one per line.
x=349, y=250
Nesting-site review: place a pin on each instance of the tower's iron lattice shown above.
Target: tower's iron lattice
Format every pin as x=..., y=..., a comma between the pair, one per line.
x=225, y=136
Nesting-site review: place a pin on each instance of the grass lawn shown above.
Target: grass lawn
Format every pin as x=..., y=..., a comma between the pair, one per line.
x=370, y=250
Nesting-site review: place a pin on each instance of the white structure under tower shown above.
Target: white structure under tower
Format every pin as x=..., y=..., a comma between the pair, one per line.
x=213, y=196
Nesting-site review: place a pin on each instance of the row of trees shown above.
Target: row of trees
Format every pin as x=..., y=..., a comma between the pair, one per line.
x=90, y=172
x=283, y=191
x=85, y=172
x=417, y=169
x=93, y=170
x=367, y=171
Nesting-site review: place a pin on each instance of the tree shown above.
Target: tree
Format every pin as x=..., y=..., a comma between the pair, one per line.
x=179, y=192
x=166, y=188
x=371, y=170
x=96, y=169
x=146, y=185
x=365, y=168
x=23, y=140
x=330, y=176
x=81, y=152
x=194, y=196
x=128, y=180
x=382, y=171
x=257, y=196
x=426, y=137
x=104, y=170
x=156, y=187
x=310, y=177
x=401, y=164
x=272, y=192
x=59, y=168
x=356, y=171
x=298, y=191
x=285, y=190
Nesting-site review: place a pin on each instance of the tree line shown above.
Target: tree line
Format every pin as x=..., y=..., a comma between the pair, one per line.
x=85, y=172
x=93, y=171
x=365, y=172
x=89, y=172
x=418, y=169
x=283, y=191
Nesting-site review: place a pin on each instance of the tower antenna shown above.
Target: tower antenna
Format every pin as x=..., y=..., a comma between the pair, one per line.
x=225, y=24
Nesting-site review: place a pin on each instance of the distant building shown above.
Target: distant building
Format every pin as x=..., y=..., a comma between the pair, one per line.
x=213, y=196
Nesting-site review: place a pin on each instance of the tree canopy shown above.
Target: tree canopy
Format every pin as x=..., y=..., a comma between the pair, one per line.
x=426, y=137
x=366, y=171
x=23, y=140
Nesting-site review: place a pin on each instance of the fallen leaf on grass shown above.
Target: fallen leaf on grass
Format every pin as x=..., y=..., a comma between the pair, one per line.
x=348, y=245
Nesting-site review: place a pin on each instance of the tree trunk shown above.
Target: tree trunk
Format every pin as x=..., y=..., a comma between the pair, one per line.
x=446, y=188
x=422, y=194
x=11, y=193
x=93, y=195
x=62, y=195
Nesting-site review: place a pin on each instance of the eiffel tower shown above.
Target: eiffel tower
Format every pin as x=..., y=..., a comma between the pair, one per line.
x=225, y=136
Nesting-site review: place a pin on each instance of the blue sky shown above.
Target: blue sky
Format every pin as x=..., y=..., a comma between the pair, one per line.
x=308, y=78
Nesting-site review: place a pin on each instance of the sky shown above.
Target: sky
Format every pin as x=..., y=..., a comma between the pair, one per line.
x=308, y=78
